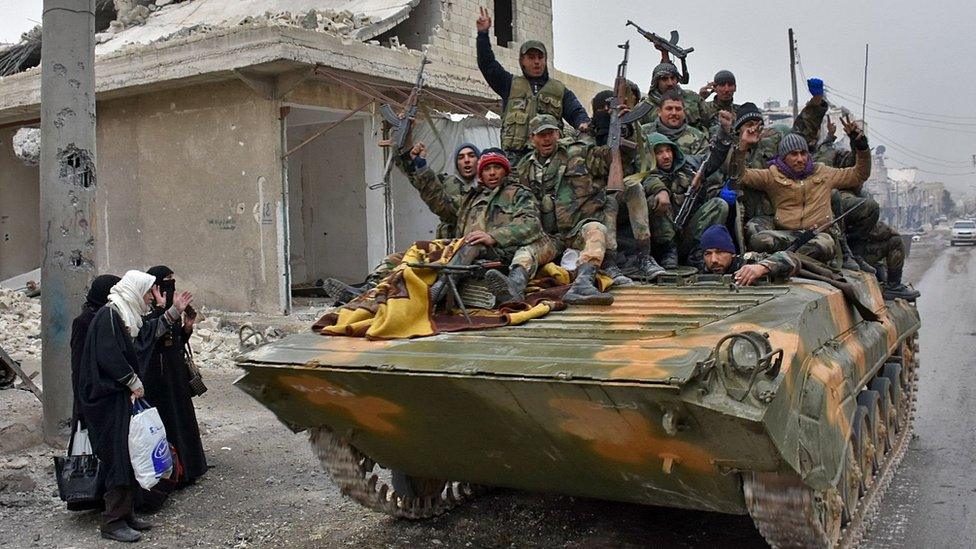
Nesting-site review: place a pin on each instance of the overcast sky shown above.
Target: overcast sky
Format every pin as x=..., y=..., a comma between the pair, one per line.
x=920, y=71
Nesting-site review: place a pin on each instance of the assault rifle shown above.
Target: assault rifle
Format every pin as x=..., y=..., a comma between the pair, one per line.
x=808, y=234
x=615, y=103
x=671, y=46
x=692, y=195
x=402, y=124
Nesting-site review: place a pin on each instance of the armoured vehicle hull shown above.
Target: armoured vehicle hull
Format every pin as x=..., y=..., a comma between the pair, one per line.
x=701, y=396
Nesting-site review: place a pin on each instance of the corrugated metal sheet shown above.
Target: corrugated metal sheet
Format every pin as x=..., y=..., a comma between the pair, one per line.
x=641, y=337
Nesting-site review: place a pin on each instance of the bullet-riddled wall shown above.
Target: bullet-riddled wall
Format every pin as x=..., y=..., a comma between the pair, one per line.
x=20, y=238
x=191, y=179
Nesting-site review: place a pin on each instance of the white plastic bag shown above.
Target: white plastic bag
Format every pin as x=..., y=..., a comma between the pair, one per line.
x=570, y=259
x=80, y=445
x=148, y=447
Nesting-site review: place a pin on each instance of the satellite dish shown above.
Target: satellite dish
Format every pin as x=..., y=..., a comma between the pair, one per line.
x=880, y=149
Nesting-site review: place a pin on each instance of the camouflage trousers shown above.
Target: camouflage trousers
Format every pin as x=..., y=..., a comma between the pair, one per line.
x=861, y=221
x=632, y=196
x=714, y=211
x=883, y=245
x=820, y=247
x=590, y=239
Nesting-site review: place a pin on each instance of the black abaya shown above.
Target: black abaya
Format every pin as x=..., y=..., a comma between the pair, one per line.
x=167, y=383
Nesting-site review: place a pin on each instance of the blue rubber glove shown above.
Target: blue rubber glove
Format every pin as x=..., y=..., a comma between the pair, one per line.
x=816, y=86
x=728, y=194
x=419, y=163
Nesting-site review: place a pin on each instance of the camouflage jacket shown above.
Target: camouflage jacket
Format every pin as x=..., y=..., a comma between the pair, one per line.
x=693, y=103
x=425, y=180
x=570, y=185
x=677, y=180
x=509, y=212
x=690, y=140
x=710, y=110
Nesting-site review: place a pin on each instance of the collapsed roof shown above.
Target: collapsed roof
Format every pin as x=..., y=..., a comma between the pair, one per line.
x=128, y=23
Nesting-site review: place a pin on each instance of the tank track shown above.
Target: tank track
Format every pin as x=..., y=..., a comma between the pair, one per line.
x=358, y=477
x=786, y=511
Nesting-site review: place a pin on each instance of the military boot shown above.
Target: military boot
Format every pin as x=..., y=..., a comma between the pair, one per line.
x=894, y=289
x=508, y=288
x=670, y=258
x=647, y=268
x=584, y=291
x=343, y=293
x=849, y=263
x=612, y=269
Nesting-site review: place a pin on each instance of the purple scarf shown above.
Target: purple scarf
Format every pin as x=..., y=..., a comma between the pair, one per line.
x=788, y=172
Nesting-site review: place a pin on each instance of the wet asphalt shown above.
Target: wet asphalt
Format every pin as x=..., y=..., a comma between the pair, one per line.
x=932, y=500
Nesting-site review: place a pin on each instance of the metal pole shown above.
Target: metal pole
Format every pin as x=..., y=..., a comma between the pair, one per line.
x=67, y=194
x=793, y=74
x=864, y=96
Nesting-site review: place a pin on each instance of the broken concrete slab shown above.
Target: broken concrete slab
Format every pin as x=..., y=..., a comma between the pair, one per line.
x=27, y=146
x=21, y=418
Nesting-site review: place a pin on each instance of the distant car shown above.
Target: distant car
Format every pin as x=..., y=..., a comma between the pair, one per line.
x=963, y=230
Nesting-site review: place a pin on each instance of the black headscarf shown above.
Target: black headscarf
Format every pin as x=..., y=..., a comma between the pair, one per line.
x=167, y=287
x=98, y=292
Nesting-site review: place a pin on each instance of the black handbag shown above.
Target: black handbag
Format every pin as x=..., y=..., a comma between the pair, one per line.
x=197, y=386
x=78, y=482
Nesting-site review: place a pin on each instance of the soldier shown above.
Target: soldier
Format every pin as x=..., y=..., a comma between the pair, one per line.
x=525, y=96
x=723, y=85
x=413, y=164
x=666, y=187
x=632, y=196
x=885, y=250
x=720, y=258
x=799, y=189
x=664, y=79
x=672, y=123
x=568, y=181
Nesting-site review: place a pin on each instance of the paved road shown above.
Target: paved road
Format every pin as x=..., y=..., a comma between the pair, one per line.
x=932, y=501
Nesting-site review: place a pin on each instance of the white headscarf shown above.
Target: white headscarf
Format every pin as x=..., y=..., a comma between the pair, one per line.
x=126, y=296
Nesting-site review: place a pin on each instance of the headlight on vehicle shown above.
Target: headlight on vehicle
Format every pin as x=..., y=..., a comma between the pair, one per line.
x=742, y=358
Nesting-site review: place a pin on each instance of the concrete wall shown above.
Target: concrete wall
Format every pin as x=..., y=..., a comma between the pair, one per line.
x=20, y=238
x=192, y=179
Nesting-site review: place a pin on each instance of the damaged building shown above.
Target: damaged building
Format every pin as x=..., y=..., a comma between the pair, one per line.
x=237, y=140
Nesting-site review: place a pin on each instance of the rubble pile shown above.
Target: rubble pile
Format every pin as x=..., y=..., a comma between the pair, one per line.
x=214, y=345
x=20, y=324
x=27, y=146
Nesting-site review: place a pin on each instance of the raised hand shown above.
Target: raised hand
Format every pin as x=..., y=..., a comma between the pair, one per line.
x=749, y=137
x=419, y=149
x=484, y=20
x=706, y=90
x=831, y=127
x=850, y=126
x=158, y=297
x=725, y=119
x=182, y=300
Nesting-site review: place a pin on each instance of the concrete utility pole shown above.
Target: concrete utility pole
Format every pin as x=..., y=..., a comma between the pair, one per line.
x=67, y=194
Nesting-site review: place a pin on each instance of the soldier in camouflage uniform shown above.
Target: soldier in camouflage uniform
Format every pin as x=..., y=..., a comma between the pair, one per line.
x=800, y=190
x=884, y=248
x=723, y=85
x=666, y=186
x=664, y=79
x=533, y=92
x=632, y=196
x=672, y=122
x=413, y=164
x=569, y=182
x=720, y=257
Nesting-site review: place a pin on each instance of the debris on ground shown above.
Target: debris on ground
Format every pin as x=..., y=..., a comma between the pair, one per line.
x=20, y=324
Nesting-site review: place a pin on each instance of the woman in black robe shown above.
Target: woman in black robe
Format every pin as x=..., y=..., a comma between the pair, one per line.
x=97, y=296
x=118, y=345
x=167, y=382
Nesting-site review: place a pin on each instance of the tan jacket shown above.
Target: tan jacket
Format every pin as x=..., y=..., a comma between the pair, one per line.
x=804, y=204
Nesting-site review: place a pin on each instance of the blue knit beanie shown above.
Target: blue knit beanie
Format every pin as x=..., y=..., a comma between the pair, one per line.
x=717, y=237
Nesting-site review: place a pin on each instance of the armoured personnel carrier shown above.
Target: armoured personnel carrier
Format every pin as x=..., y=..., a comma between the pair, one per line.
x=778, y=401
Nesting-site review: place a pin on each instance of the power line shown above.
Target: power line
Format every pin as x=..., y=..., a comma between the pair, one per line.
x=931, y=172
x=911, y=117
x=856, y=97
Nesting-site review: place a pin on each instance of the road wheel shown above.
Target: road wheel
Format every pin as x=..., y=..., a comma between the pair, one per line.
x=889, y=415
x=863, y=448
x=872, y=401
x=850, y=483
x=892, y=372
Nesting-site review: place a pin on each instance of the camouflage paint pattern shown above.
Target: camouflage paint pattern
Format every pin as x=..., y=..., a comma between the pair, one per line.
x=618, y=402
